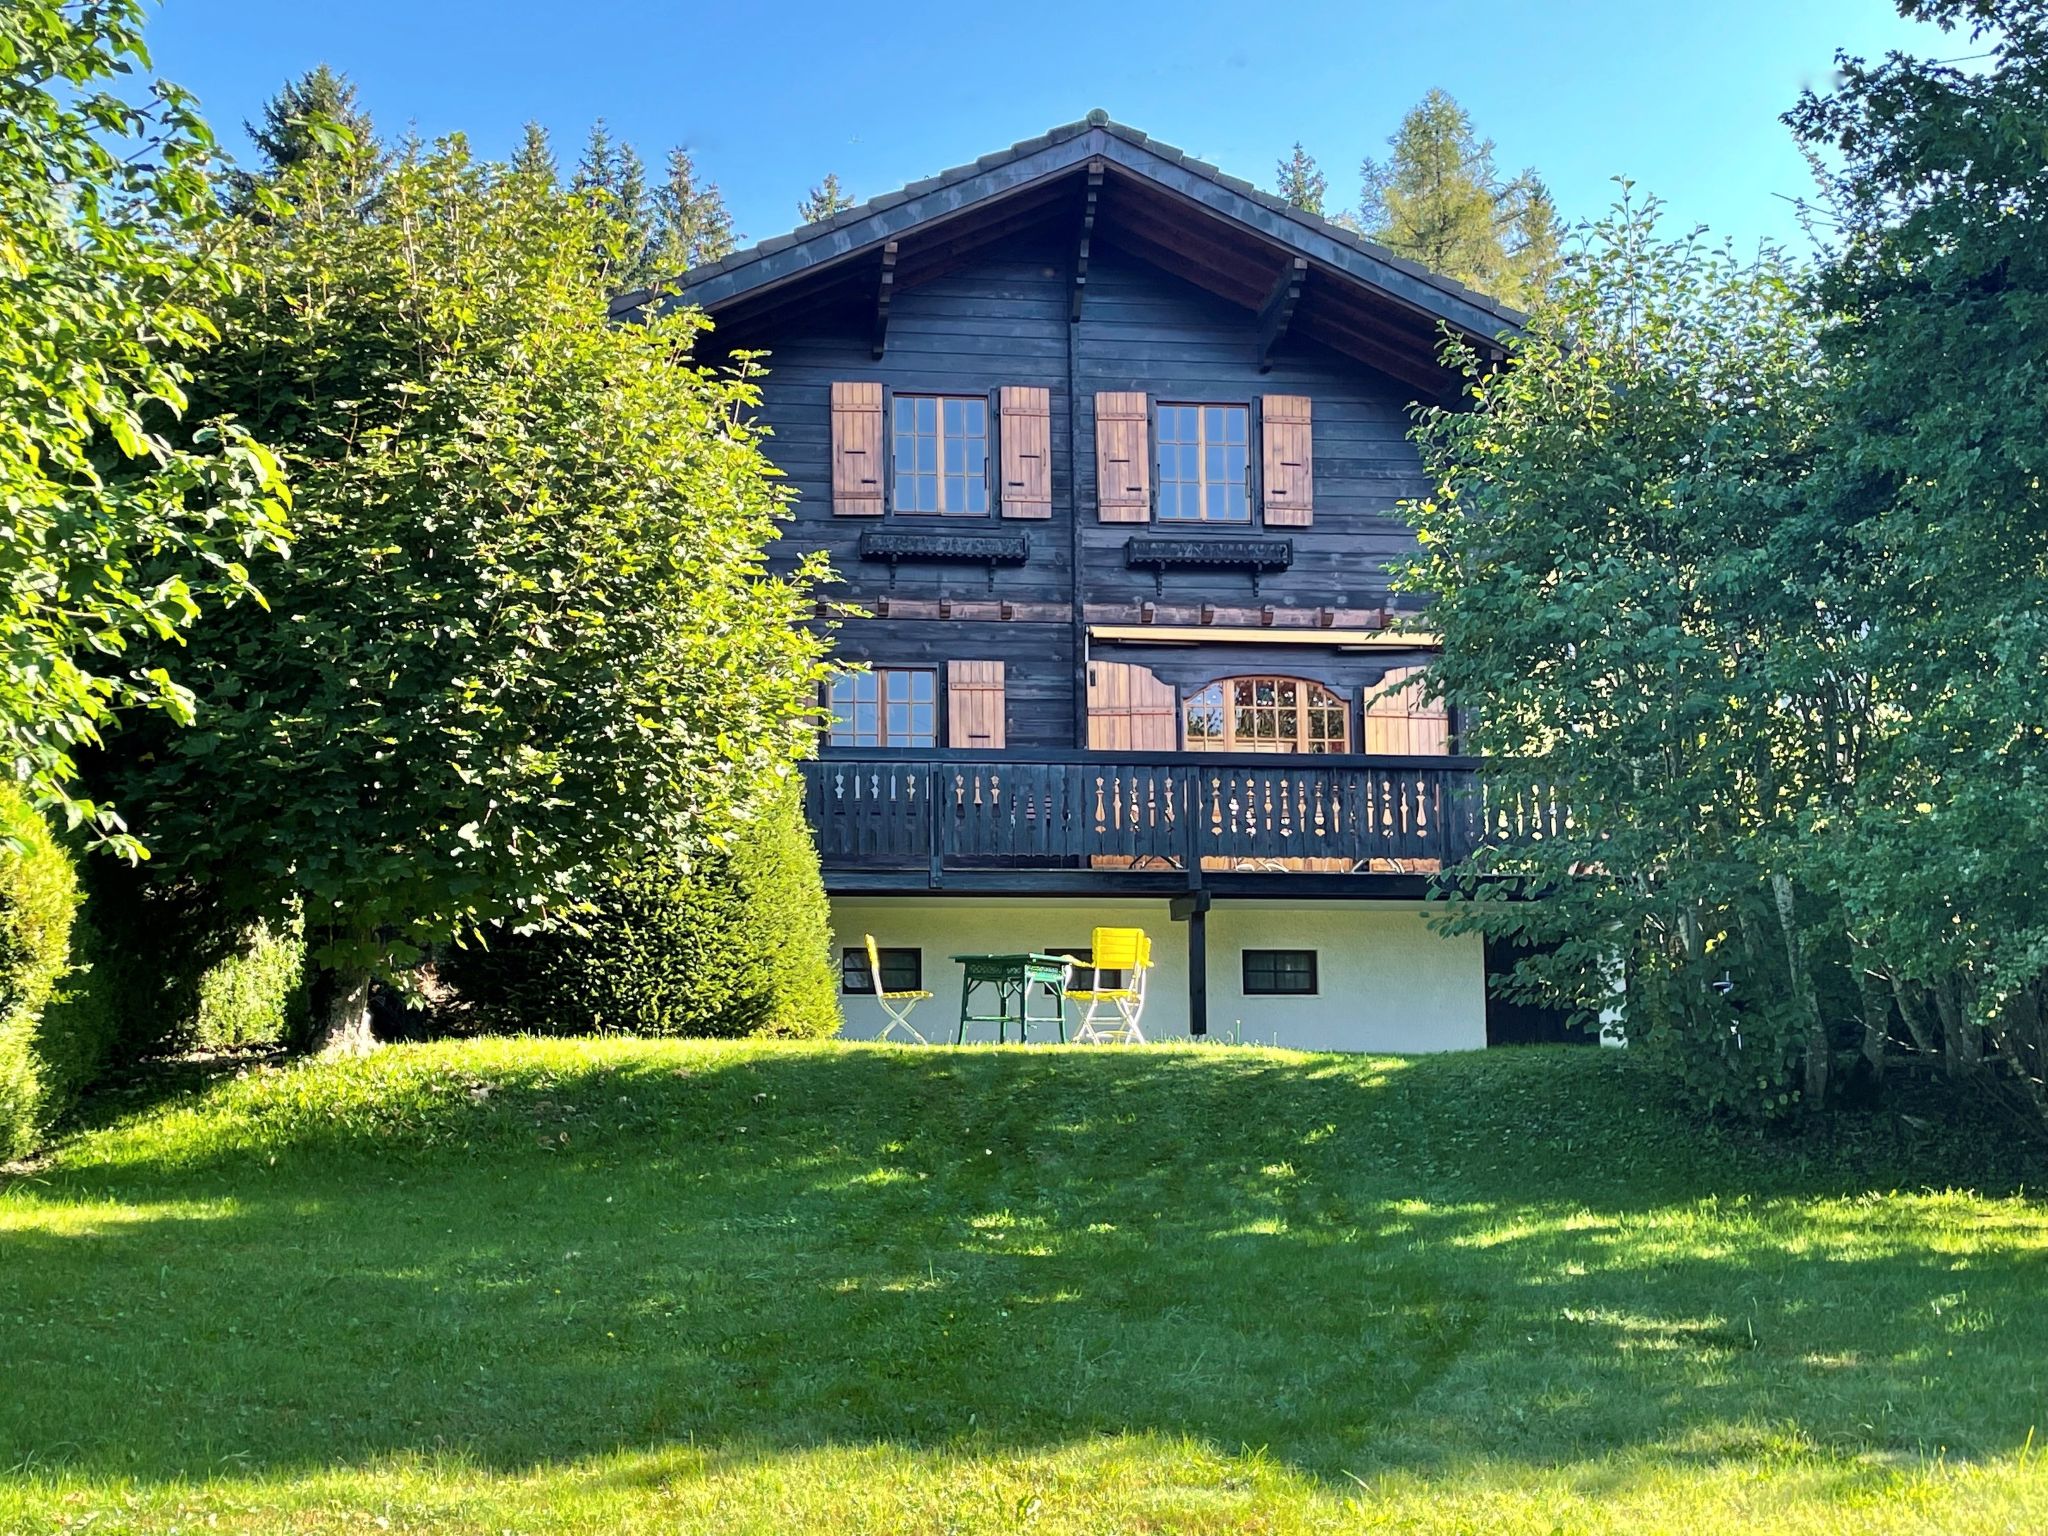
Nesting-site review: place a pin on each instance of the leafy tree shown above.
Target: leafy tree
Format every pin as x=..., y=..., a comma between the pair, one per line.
x=1302, y=182
x=825, y=199
x=692, y=226
x=526, y=635
x=1614, y=561
x=1935, y=286
x=1438, y=199
x=120, y=523
x=535, y=156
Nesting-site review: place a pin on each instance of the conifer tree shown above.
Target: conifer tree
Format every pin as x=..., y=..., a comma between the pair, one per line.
x=1439, y=200
x=825, y=199
x=535, y=156
x=318, y=116
x=1302, y=182
x=691, y=224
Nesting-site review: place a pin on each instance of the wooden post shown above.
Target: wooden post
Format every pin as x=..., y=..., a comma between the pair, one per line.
x=1193, y=909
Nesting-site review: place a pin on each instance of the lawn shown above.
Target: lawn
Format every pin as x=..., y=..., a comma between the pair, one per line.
x=628, y=1287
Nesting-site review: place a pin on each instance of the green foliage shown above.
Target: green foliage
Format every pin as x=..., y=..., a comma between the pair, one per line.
x=120, y=524
x=692, y=226
x=1439, y=200
x=1930, y=490
x=315, y=117
x=256, y=993
x=38, y=899
x=535, y=156
x=823, y=200
x=739, y=944
x=504, y=656
x=811, y=1287
x=1301, y=181
x=1613, y=562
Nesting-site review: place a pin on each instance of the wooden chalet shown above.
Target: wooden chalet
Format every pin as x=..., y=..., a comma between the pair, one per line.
x=1108, y=445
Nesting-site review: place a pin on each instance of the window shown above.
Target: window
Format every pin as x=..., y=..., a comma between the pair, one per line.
x=1266, y=714
x=1279, y=972
x=902, y=970
x=941, y=454
x=885, y=707
x=1204, y=464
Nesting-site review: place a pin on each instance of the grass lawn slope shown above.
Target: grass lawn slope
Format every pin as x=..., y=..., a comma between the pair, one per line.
x=635, y=1287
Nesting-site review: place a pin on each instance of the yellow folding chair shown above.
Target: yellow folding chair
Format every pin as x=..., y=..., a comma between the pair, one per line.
x=897, y=1005
x=1110, y=1014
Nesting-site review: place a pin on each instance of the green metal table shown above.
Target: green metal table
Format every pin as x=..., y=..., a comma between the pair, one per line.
x=1015, y=979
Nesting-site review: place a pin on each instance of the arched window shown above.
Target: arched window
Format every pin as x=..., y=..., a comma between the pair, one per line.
x=1266, y=714
x=1399, y=720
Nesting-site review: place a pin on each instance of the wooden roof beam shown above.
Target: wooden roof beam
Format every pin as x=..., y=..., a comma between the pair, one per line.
x=1089, y=200
x=1278, y=312
x=885, y=290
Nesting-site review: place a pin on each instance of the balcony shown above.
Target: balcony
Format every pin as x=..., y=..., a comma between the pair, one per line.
x=1106, y=821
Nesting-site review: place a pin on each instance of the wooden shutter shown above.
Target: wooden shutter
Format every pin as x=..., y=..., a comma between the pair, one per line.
x=1288, y=461
x=1123, y=458
x=974, y=704
x=1027, y=451
x=1130, y=709
x=1401, y=721
x=856, y=450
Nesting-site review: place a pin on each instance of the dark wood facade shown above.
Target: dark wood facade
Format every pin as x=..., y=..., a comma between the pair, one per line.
x=1085, y=279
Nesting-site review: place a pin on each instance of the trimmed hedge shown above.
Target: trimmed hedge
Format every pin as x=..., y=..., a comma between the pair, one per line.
x=38, y=901
x=739, y=945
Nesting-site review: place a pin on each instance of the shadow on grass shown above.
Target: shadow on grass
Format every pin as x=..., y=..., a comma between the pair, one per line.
x=532, y=1257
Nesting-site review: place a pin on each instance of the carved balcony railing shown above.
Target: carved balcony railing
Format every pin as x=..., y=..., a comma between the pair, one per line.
x=1188, y=811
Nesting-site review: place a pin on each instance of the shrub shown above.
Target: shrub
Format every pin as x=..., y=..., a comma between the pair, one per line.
x=256, y=994
x=738, y=945
x=38, y=900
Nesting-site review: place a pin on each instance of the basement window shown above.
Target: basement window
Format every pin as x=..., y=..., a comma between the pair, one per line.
x=1279, y=972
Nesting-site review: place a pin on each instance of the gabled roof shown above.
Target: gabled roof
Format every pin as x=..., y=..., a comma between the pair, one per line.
x=1164, y=205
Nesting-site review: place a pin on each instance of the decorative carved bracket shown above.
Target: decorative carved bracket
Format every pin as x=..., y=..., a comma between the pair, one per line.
x=885, y=290
x=1278, y=312
x=1256, y=556
x=1087, y=232
x=897, y=545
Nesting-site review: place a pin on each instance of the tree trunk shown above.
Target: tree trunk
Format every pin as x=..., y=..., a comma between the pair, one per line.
x=1876, y=1000
x=1913, y=1009
x=341, y=1020
x=1817, y=1051
x=1962, y=1051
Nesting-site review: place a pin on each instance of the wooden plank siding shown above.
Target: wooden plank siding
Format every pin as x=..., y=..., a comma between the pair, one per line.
x=997, y=321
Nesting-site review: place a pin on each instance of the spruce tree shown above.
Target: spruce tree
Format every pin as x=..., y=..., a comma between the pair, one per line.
x=318, y=116
x=691, y=224
x=825, y=199
x=535, y=157
x=1302, y=182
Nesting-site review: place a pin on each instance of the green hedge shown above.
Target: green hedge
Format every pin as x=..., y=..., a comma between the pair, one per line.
x=740, y=945
x=38, y=901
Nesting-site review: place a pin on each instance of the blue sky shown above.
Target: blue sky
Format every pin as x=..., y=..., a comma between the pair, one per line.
x=1682, y=97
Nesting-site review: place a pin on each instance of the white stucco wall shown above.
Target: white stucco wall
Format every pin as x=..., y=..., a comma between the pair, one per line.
x=1386, y=981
